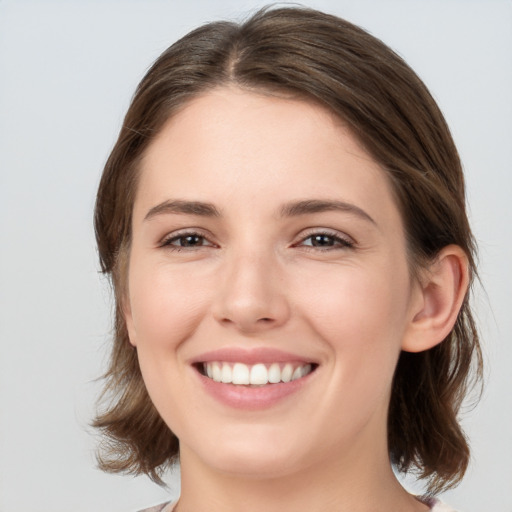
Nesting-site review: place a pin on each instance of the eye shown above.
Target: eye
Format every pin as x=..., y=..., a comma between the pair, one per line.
x=187, y=240
x=326, y=241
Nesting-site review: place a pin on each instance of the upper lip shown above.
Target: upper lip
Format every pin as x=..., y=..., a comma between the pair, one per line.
x=250, y=356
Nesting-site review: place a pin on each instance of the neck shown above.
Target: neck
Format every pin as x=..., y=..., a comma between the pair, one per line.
x=351, y=483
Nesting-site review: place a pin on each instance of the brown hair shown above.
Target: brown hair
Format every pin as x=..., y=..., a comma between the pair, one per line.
x=325, y=59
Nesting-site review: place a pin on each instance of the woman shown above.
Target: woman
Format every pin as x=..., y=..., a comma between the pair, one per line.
x=283, y=219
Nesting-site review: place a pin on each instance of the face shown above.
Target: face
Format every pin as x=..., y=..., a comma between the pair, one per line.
x=269, y=289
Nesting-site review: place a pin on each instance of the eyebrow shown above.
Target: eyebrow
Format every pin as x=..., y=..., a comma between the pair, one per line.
x=310, y=206
x=292, y=209
x=184, y=207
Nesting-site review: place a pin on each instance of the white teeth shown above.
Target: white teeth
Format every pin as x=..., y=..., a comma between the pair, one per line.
x=227, y=374
x=286, y=373
x=240, y=373
x=259, y=375
x=274, y=374
x=297, y=374
x=216, y=372
x=256, y=375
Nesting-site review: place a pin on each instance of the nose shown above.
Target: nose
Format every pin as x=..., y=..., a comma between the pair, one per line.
x=251, y=296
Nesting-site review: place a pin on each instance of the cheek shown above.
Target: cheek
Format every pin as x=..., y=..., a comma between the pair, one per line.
x=166, y=305
x=361, y=317
x=358, y=307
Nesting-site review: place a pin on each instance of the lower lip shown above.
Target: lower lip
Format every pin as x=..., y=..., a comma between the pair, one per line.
x=252, y=398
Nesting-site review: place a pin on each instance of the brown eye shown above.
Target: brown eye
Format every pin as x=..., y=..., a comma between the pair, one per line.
x=322, y=241
x=186, y=241
x=326, y=241
x=189, y=241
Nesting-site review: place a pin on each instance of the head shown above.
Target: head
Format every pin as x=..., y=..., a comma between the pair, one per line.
x=305, y=56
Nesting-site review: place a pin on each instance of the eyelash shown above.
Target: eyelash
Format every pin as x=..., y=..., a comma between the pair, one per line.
x=167, y=242
x=338, y=242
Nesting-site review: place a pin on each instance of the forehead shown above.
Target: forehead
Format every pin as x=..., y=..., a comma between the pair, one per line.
x=230, y=146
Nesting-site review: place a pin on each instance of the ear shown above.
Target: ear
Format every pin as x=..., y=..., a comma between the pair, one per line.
x=437, y=300
x=128, y=319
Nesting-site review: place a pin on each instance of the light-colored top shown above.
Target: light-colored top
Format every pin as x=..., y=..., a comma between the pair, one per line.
x=434, y=504
x=163, y=507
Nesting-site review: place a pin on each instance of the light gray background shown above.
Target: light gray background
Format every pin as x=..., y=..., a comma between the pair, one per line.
x=67, y=72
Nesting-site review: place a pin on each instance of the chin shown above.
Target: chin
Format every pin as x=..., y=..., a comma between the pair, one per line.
x=253, y=456
x=255, y=466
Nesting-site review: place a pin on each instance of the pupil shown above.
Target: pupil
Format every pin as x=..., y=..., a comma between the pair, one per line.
x=190, y=240
x=322, y=240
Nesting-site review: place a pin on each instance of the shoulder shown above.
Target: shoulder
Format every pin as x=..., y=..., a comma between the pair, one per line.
x=436, y=505
x=163, y=507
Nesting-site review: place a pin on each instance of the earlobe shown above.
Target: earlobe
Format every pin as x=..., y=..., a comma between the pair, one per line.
x=441, y=294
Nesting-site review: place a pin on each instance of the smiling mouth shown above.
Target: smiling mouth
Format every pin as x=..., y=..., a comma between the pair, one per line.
x=241, y=374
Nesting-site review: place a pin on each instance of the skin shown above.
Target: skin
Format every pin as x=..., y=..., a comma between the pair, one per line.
x=254, y=278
